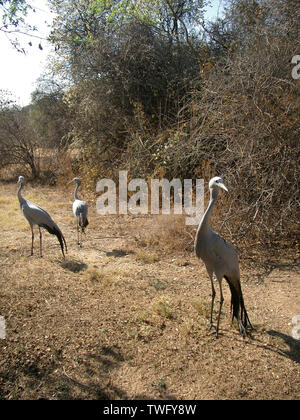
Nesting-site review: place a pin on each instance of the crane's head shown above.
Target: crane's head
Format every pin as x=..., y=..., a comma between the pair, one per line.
x=21, y=180
x=77, y=180
x=217, y=182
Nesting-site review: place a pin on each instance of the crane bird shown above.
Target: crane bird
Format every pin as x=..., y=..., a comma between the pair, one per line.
x=220, y=258
x=35, y=215
x=80, y=210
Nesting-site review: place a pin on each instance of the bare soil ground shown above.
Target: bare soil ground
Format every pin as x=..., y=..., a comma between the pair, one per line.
x=121, y=319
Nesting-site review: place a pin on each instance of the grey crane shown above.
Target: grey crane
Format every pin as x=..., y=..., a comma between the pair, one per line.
x=220, y=258
x=80, y=210
x=35, y=215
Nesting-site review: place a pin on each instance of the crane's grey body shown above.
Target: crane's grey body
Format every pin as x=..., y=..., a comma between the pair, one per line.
x=35, y=215
x=220, y=258
x=80, y=210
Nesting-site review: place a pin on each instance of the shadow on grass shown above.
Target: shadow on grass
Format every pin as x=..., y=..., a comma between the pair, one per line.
x=294, y=345
x=99, y=386
x=74, y=266
x=268, y=267
x=91, y=380
x=118, y=253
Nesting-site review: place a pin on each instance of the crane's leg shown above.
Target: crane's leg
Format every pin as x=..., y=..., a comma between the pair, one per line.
x=220, y=308
x=78, y=242
x=81, y=230
x=32, y=238
x=213, y=294
x=41, y=252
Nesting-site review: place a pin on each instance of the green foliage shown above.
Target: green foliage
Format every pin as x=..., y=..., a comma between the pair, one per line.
x=124, y=10
x=155, y=12
x=80, y=21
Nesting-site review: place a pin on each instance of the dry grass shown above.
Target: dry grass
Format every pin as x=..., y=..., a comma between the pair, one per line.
x=146, y=257
x=122, y=319
x=166, y=234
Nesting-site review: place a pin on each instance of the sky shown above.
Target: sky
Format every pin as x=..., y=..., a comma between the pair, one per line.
x=19, y=72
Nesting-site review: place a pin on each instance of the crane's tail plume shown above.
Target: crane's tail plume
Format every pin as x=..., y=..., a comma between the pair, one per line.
x=238, y=308
x=54, y=230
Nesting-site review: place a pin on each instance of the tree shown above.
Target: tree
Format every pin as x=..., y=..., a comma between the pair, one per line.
x=18, y=137
x=122, y=60
x=80, y=23
x=49, y=113
x=243, y=121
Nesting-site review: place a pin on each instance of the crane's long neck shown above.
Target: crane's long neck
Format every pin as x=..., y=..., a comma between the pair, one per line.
x=204, y=223
x=21, y=199
x=75, y=192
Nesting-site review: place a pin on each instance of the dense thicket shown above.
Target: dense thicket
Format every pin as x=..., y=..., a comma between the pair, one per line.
x=153, y=88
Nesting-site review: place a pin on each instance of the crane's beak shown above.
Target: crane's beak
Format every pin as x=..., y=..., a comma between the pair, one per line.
x=223, y=187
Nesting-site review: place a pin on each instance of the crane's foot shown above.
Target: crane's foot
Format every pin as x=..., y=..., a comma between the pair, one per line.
x=211, y=326
x=243, y=331
x=215, y=332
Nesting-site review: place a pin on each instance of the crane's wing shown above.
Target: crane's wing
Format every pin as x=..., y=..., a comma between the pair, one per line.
x=80, y=207
x=36, y=215
x=80, y=210
x=225, y=255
